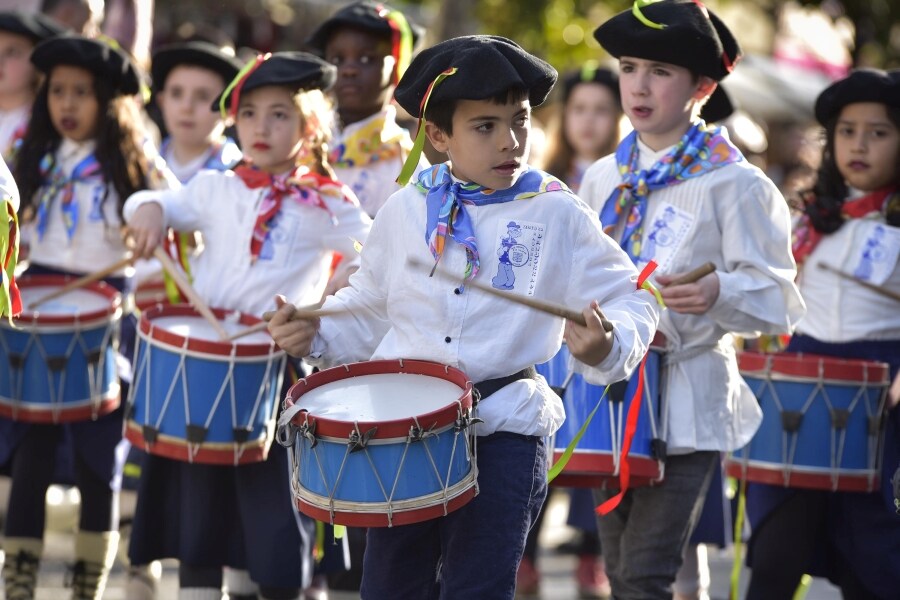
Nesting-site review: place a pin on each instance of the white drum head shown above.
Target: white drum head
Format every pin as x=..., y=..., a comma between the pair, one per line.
x=76, y=302
x=382, y=397
x=197, y=328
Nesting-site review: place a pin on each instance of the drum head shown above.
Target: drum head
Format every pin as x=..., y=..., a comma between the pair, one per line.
x=74, y=303
x=198, y=328
x=381, y=397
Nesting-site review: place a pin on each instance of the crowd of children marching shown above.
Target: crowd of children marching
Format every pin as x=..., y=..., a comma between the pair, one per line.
x=318, y=196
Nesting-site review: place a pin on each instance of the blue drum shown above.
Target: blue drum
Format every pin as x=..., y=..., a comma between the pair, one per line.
x=197, y=398
x=381, y=443
x=58, y=358
x=822, y=424
x=597, y=457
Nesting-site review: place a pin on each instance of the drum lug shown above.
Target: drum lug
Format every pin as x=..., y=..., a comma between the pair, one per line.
x=93, y=357
x=56, y=363
x=466, y=421
x=658, y=449
x=308, y=430
x=417, y=434
x=150, y=434
x=241, y=434
x=791, y=420
x=16, y=360
x=874, y=425
x=358, y=442
x=196, y=434
x=839, y=418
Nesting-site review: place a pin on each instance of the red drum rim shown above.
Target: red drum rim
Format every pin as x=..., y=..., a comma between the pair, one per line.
x=209, y=453
x=211, y=347
x=100, y=288
x=28, y=413
x=398, y=428
x=813, y=366
x=383, y=519
x=796, y=477
x=599, y=466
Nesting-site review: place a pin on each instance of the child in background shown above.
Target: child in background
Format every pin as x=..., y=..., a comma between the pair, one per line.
x=851, y=537
x=478, y=92
x=678, y=192
x=82, y=155
x=19, y=34
x=371, y=45
x=586, y=129
x=271, y=224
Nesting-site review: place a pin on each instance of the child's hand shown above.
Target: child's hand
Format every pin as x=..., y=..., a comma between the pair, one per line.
x=145, y=229
x=294, y=337
x=589, y=344
x=894, y=392
x=691, y=298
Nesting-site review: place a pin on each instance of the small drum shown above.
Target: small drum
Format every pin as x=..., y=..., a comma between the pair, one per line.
x=58, y=362
x=597, y=457
x=381, y=443
x=150, y=293
x=822, y=426
x=198, y=399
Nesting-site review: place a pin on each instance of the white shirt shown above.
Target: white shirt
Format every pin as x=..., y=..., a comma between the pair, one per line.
x=843, y=311
x=296, y=263
x=736, y=218
x=97, y=240
x=397, y=311
x=8, y=189
x=12, y=121
x=375, y=182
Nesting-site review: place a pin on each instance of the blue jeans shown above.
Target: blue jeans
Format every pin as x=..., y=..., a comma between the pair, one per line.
x=473, y=552
x=644, y=536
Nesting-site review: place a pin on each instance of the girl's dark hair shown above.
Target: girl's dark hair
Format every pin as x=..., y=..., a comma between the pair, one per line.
x=120, y=138
x=441, y=113
x=823, y=203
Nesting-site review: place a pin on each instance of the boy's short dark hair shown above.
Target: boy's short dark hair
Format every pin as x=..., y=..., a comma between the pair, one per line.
x=441, y=112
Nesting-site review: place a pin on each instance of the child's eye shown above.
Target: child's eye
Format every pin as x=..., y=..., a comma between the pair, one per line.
x=484, y=128
x=280, y=115
x=335, y=60
x=245, y=112
x=626, y=68
x=845, y=131
x=661, y=72
x=522, y=121
x=366, y=59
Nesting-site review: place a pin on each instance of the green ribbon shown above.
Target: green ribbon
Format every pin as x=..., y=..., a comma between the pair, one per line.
x=636, y=11
x=557, y=468
x=7, y=274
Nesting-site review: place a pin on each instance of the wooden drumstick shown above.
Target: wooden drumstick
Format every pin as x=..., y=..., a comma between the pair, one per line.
x=83, y=281
x=540, y=305
x=188, y=290
x=875, y=288
x=305, y=313
x=694, y=275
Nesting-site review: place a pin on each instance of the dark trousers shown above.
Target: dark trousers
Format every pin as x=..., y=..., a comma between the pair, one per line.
x=473, y=552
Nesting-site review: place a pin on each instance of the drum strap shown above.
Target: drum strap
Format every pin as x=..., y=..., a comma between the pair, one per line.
x=489, y=386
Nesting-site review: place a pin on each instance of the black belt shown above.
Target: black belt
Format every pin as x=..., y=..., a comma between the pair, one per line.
x=489, y=386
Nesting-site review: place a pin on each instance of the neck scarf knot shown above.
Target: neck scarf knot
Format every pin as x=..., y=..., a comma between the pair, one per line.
x=446, y=201
x=57, y=184
x=701, y=150
x=300, y=185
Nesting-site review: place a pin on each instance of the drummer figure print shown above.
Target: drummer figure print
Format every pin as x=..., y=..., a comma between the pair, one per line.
x=505, y=279
x=873, y=253
x=519, y=245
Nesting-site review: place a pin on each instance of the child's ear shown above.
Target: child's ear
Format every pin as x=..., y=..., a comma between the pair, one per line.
x=437, y=136
x=705, y=87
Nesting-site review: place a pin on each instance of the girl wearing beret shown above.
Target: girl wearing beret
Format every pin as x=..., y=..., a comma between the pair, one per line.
x=271, y=224
x=19, y=33
x=677, y=170
x=82, y=155
x=851, y=221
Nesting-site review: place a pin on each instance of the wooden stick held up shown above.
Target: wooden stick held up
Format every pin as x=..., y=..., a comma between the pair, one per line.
x=306, y=313
x=188, y=290
x=694, y=275
x=83, y=281
x=875, y=288
x=540, y=305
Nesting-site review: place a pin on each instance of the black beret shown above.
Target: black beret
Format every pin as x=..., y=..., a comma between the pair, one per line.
x=719, y=106
x=98, y=57
x=199, y=54
x=35, y=27
x=365, y=15
x=863, y=85
x=486, y=65
x=692, y=37
x=591, y=74
x=298, y=70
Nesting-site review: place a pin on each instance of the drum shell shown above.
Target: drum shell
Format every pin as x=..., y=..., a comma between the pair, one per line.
x=595, y=461
x=57, y=368
x=223, y=387
x=828, y=450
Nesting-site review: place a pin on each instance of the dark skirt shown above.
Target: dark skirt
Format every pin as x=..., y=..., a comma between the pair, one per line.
x=863, y=531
